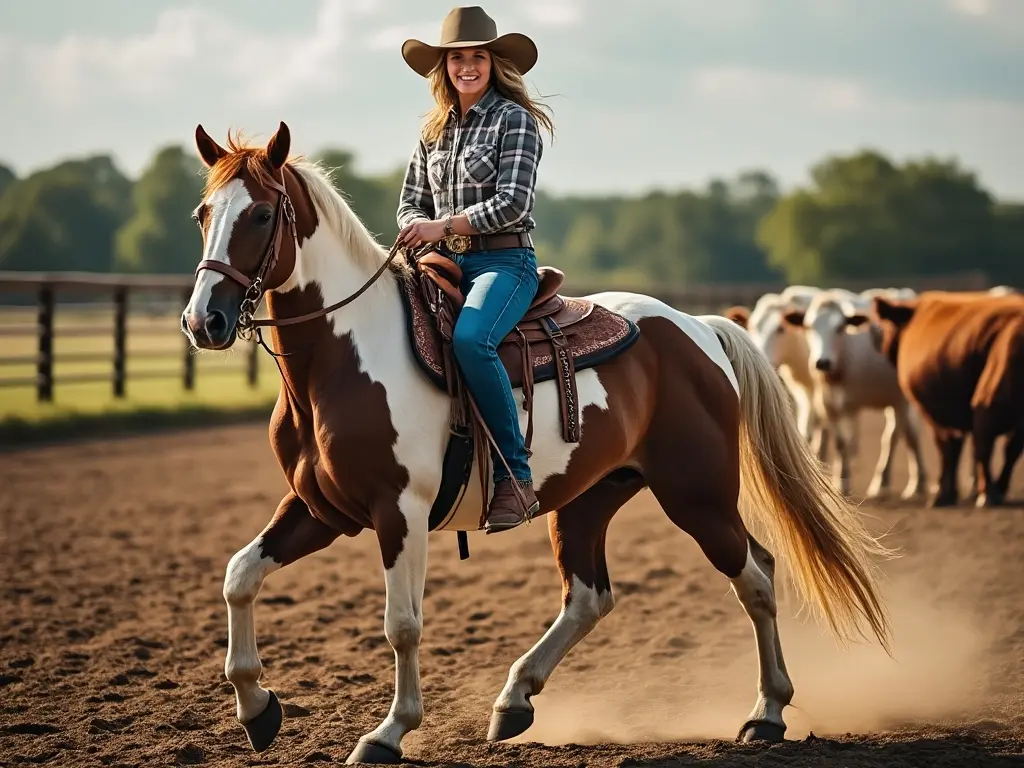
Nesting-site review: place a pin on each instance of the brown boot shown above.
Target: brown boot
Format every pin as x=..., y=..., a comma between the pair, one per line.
x=506, y=511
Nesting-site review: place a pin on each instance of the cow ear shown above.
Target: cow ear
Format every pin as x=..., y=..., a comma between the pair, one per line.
x=739, y=315
x=895, y=311
x=857, y=320
x=795, y=318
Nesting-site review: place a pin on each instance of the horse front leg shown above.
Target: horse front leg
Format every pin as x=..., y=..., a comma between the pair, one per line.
x=403, y=545
x=291, y=534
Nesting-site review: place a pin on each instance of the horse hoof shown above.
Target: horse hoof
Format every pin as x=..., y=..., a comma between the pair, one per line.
x=510, y=723
x=371, y=753
x=761, y=730
x=262, y=729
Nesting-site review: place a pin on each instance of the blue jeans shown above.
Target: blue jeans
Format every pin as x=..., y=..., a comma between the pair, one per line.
x=499, y=287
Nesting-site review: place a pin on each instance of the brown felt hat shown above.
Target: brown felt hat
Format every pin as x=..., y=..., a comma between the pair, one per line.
x=470, y=27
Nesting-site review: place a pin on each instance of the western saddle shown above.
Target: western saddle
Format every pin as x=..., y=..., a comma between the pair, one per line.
x=557, y=336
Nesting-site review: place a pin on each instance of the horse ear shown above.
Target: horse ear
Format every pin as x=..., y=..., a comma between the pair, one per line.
x=209, y=149
x=279, y=146
x=794, y=317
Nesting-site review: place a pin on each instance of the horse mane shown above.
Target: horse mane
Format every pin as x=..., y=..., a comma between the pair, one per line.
x=359, y=243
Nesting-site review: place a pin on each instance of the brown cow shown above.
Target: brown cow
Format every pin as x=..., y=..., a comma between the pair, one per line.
x=960, y=359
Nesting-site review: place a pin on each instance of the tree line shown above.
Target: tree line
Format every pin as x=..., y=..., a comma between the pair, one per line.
x=862, y=216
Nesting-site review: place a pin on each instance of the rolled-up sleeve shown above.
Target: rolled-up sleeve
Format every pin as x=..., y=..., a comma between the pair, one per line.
x=518, y=155
x=417, y=201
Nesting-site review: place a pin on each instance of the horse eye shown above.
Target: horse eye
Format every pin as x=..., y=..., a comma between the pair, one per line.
x=263, y=217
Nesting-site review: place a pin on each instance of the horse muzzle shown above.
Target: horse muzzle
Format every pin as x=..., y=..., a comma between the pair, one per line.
x=212, y=329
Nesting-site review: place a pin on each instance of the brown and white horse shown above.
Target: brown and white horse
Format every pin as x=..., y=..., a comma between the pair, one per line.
x=692, y=410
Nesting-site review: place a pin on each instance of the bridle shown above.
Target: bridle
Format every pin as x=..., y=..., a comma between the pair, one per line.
x=284, y=218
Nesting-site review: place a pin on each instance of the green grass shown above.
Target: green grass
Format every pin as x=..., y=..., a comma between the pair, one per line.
x=221, y=391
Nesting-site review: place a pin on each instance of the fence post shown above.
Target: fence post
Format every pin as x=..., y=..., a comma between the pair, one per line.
x=188, y=373
x=120, y=338
x=44, y=361
x=253, y=367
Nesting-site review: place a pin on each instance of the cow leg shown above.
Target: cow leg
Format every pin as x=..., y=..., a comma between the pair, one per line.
x=1011, y=453
x=909, y=424
x=881, y=482
x=846, y=447
x=984, y=432
x=950, y=445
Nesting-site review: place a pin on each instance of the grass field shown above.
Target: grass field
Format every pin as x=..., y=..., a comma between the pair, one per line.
x=156, y=353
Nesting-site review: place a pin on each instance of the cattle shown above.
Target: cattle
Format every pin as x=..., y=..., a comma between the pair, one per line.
x=786, y=350
x=852, y=375
x=960, y=359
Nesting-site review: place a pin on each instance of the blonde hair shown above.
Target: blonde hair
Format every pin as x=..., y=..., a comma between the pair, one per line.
x=505, y=79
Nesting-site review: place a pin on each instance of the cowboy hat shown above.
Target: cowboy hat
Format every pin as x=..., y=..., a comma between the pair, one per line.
x=470, y=27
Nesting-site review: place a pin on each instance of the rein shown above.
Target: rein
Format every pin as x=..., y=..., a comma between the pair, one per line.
x=254, y=293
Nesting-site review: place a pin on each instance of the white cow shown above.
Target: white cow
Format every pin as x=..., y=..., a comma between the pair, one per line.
x=786, y=349
x=850, y=375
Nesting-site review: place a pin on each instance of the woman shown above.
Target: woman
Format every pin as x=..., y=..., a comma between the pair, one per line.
x=473, y=174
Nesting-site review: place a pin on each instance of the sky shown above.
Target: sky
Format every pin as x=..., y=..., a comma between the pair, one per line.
x=646, y=94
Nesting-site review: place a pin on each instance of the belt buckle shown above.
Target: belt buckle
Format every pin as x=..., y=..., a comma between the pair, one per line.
x=457, y=243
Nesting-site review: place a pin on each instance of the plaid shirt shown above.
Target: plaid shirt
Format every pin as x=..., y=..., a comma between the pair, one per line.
x=495, y=155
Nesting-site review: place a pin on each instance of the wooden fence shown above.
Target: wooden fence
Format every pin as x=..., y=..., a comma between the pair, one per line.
x=153, y=304
x=137, y=296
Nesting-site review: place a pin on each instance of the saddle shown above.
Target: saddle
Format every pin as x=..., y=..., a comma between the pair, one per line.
x=558, y=336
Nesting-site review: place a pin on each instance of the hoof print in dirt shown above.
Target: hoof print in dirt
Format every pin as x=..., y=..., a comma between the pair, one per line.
x=262, y=729
x=757, y=731
x=369, y=753
x=506, y=725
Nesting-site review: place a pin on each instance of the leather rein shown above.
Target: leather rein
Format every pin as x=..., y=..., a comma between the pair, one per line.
x=284, y=218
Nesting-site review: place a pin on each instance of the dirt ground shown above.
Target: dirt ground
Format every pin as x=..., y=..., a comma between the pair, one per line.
x=113, y=632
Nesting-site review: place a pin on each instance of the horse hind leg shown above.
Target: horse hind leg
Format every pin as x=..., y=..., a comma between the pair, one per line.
x=291, y=534
x=755, y=589
x=577, y=533
x=705, y=508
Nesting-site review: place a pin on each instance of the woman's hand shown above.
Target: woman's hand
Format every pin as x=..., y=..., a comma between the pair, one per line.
x=420, y=232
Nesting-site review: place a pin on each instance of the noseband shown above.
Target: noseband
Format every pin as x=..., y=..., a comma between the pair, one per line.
x=284, y=217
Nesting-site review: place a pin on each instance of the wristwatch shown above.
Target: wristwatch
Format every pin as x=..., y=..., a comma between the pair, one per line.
x=448, y=226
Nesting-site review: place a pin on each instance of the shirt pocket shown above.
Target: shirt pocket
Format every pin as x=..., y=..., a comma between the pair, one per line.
x=480, y=162
x=437, y=167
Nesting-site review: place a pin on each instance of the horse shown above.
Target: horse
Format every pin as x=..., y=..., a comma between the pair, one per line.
x=691, y=410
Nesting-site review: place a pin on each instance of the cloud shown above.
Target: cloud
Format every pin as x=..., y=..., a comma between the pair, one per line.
x=194, y=41
x=745, y=87
x=972, y=7
x=553, y=13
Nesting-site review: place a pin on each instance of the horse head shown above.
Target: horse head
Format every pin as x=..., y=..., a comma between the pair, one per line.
x=250, y=235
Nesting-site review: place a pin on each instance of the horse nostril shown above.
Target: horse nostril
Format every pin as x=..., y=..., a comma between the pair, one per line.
x=823, y=365
x=216, y=324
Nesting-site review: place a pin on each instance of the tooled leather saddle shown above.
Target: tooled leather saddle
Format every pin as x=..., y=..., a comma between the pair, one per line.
x=558, y=336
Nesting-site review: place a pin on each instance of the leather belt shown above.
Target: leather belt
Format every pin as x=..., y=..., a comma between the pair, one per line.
x=476, y=243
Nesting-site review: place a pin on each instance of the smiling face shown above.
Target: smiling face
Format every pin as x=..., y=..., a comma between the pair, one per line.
x=469, y=70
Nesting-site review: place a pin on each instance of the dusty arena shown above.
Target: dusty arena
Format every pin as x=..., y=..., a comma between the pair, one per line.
x=113, y=631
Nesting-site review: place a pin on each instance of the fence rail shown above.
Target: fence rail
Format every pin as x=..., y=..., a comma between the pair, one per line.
x=130, y=301
x=121, y=290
